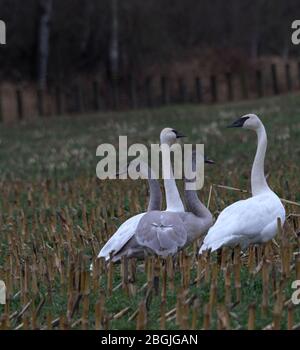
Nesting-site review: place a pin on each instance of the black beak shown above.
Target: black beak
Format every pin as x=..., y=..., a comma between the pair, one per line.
x=208, y=161
x=178, y=134
x=238, y=123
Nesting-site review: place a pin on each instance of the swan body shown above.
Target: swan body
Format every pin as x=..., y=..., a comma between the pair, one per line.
x=246, y=222
x=253, y=220
x=123, y=242
x=161, y=232
x=164, y=233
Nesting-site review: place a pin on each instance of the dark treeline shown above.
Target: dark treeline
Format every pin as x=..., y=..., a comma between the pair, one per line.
x=56, y=39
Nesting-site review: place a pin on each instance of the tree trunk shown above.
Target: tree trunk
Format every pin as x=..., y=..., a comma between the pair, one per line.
x=254, y=12
x=114, y=42
x=286, y=47
x=43, y=39
x=88, y=11
x=254, y=45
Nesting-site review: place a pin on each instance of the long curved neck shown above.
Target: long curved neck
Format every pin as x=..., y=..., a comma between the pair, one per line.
x=194, y=205
x=258, y=180
x=155, y=199
x=174, y=202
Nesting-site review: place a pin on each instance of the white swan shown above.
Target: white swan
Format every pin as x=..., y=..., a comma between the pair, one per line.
x=118, y=242
x=253, y=220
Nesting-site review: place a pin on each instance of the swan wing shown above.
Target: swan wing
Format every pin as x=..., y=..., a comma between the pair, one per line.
x=245, y=222
x=162, y=232
x=121, y=236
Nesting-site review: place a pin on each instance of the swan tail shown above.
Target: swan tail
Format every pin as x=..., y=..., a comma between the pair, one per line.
x=212, y=246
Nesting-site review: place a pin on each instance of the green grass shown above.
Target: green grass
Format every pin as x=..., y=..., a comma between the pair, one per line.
x=56, y=157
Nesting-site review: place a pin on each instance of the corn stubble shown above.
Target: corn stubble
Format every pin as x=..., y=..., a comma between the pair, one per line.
x=51, y=232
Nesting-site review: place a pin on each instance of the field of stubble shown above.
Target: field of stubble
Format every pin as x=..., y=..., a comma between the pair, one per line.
x=55, y=216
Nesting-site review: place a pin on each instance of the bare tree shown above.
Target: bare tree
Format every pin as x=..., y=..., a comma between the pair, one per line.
x=114, y=41
x=86, y=32
x=255, y=32
x=123, y=37
x=43, y=41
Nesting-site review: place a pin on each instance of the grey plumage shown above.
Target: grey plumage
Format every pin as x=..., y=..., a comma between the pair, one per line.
x=164, y=232
x=123, y=242
x=155, y=198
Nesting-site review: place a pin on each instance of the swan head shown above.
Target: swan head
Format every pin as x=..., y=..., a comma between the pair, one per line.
x=196, y=165
x=170, y=136
x=202, y=158
x=247, y=121
x=208, y=160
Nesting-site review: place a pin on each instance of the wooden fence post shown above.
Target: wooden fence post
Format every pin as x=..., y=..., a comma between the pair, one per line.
x=96, y=95
x=78, y=99
x=199, y=92
x=244, y=85
x=115, y=92
x=288, y=77
x=182, y=91
x=213, y=88
x=40, y=102
x=299, y=73
x=19, y=101
x=259, y=83
x=132, y=92
x=67, y=98
x=58, y=100
x=229, y=86
x=148, y=91
x=274, y=79
x=165, y=99
x=1, y=105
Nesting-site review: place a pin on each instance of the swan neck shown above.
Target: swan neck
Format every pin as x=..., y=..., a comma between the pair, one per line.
x=155, y=199
x=173, y=200
x=194, y=205
x=258, y=179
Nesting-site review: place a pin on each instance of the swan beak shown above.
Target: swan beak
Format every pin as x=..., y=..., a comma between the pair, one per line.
x=179, y=135
x=208, y=161
x=238, y=123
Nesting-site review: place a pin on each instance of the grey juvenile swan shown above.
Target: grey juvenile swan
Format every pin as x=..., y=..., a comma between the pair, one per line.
x=164, y=232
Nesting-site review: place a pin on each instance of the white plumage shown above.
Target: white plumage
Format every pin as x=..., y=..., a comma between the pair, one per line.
x=118, y=240
x=245, y=222
x=253, y=220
